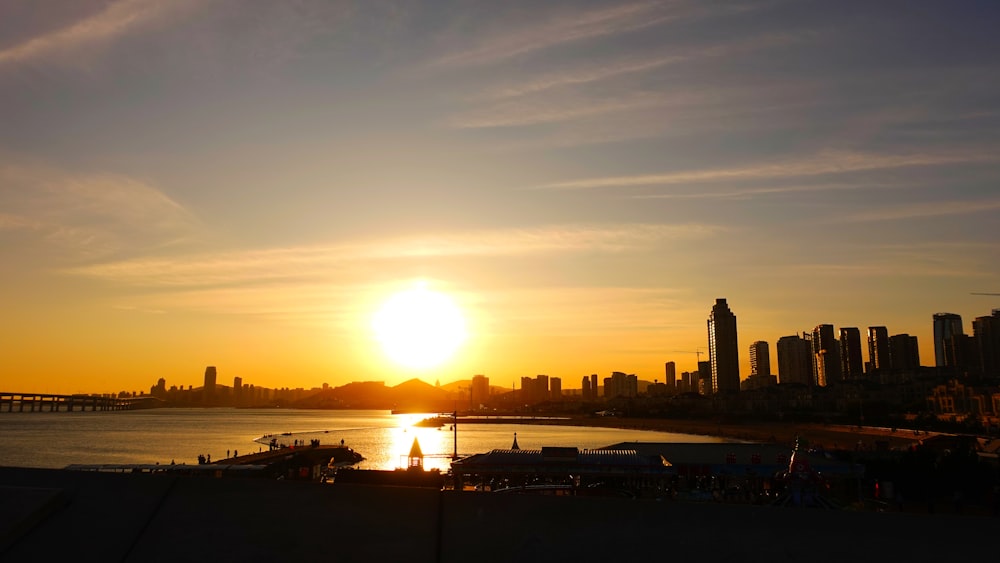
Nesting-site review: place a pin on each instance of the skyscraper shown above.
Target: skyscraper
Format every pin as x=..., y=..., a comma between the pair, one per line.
x=479, y=393
x=209, y=387
x=760, y=358
x=986, y=331
x=794, y=360
x=723, y=349
x=878, y=347
x=851, y=362
x=946, y=325
x=826, y=351
x=585, y=391
x=903, y=352
x=670, y=374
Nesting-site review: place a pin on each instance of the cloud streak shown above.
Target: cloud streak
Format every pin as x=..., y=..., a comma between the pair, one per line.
x=116, y=20
x=596, y=73
x=94, y=214
x=928, y=209
x=560, y=29
x=823, y=164
x=309, y=262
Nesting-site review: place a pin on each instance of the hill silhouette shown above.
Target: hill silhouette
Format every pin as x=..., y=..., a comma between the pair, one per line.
x=411, y=395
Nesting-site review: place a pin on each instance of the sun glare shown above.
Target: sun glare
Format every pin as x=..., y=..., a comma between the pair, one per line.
x=419, y=328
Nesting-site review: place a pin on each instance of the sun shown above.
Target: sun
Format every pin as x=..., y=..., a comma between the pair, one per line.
x=419, y=328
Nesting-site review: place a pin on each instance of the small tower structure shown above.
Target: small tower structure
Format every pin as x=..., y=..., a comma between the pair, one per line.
x=416, y=459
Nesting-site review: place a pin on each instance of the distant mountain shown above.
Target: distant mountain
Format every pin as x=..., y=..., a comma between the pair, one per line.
x=416, y=396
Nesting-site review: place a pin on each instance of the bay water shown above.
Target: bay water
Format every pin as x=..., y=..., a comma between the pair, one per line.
x=55, y=440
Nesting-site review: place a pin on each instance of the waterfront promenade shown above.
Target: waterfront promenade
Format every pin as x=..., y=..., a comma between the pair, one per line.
x=75, y=516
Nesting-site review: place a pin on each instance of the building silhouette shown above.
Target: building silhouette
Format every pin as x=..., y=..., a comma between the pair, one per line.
x=585, y=390
x=851, y=362
x=878, y=348
x=903, y=352
x=723, y=349
x=986, y=331
x=621, y=384
x=760, y=358
x=826, y=352
x=670, y=374
x=209, y=386
x=555, y=388
x=795, y=360
x=479, y=392
x=946, y=326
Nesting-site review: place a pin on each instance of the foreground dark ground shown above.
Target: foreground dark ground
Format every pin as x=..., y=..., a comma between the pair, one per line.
x=61, y=515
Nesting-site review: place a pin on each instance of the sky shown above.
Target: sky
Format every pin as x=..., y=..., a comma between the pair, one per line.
x=244, y=183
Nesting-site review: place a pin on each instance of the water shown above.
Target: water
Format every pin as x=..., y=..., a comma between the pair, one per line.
x=56, y=440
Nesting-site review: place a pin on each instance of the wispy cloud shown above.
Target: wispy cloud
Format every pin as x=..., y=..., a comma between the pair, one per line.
x=928, y=209
x=770, y=190
x=310, y=262
x=825, y=163
x=93, y=213
x=520, y=111
x=612, y=69
x=117, y=19
x=558, y=29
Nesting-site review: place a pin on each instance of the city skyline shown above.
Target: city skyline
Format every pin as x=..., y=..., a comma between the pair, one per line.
x=185, y=184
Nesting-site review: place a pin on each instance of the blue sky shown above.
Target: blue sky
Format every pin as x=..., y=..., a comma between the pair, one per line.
x=240, y=183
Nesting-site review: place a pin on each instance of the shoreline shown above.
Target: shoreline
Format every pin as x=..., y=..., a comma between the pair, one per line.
x=826, y=436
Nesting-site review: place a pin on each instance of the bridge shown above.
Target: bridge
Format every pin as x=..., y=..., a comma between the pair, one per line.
x=41, y=402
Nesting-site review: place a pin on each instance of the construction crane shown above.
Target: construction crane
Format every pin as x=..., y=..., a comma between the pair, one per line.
x=697, y=352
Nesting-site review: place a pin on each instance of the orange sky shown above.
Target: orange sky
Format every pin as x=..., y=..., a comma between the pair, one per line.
x=182, y=185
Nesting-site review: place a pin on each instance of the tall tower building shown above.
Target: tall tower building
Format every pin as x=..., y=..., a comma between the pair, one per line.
x=827, y=355
x=903, y=352
x=946, y=325
x=795, y=360
x=670, y=374
x=986, y=331
x=851, y=363
x=723, y=349
x=585, y=391
x=209, y=387
x=878, y=348
x=555, y=388
x=479, y=393
x=593, y=385
x=760, y=358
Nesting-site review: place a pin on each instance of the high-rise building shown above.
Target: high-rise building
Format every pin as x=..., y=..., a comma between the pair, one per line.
x=795, y=360
x=903, y=352
x=684, y=383
x=986, y=331
x=760, y=358
x=585, y=391
x=621, y=384
x=479, y=393
x=826, y=351
x=701, y=380
x=209, y=387
x=946, y=325
x=670, y=374
x=878, y=348
x=723, y=349
x=851, y=362
x=593, y=386
x=555, y=388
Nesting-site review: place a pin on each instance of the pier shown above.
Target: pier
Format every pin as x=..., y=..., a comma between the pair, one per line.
x=48, y=402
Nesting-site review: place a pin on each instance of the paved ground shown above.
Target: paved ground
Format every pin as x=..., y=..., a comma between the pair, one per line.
x=60, y=515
